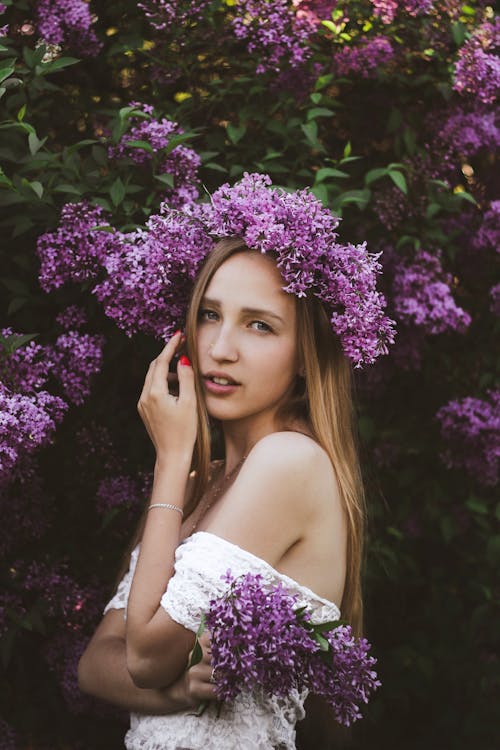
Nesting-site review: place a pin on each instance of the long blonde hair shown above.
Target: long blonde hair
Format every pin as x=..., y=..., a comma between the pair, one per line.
x=324, y=399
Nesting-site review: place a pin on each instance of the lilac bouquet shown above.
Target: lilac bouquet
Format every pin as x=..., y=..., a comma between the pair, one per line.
x=260, y=637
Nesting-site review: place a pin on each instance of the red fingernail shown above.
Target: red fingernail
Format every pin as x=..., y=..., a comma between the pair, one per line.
x=178, y=331
x=185, y=361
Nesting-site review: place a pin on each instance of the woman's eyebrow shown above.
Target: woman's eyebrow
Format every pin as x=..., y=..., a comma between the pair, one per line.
x=246, y=310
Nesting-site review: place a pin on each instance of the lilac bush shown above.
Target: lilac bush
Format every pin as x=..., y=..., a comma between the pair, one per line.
x=470, y=429
x=365, y=59
x=422, y=295
x=68, y=23
x=182, y=162
x=477, y=70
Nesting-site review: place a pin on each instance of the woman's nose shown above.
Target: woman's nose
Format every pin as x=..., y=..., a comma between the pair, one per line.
x=223, y=346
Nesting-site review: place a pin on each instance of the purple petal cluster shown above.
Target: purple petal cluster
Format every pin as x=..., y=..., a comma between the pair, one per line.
x=27, y=368
x=260, y=638
x=4, y=30
x=477, y=70
x=68, y=23
x=488, y=235
x=302, y=235
x=343, y=676
x=273, y=33
x=76, y=358
x=495, y=300
x=365, y=59
x=465, y=133
x=315, y=11
x=163, y=14
x=182, y=162
x=27, y=422
x=470, y=428
x=422, y=295
x=26, y=505
x=151, y=272
x=73, y=317
x=386, y=10
x=73, y=252
x=120, y=492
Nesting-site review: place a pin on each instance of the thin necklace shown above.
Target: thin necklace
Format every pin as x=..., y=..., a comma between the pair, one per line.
x=214, y=494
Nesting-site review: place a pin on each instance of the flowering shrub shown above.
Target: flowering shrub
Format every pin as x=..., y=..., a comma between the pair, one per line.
x=117, y=122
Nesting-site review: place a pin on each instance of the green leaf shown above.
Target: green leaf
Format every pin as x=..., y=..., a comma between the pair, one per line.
x=476, y=505
x=36, y=186
x=325, y=172
x=13, y=342
x=347, y=149
x=236, y=133
x=16, y=304
x=321, y=641
x=400, y=181
x=464, y=195
x=35, y=144
x=330, y=26
x=177, y=139
x=54, y=65
x=65, y=188
x=375, y=174
x=310, y=130
x=458, y=33
x=215, y=167
x=166, y=179
x=6, y=70
x=321, y=193
x=319, y=112
x=117, y=192
x=316, y=98
x=144, y=145
x=21, y=113
x=325, y=627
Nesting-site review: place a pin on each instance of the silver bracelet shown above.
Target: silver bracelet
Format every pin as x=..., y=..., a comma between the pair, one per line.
x=167, y=505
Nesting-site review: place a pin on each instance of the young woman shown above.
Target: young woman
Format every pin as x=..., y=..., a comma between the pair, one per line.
x=270, y=374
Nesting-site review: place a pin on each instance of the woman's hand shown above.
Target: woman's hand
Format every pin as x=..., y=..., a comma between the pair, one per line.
x=171, y=421
x=197, y=683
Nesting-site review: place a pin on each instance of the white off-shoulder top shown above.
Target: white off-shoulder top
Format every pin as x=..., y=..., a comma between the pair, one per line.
x=254, y=721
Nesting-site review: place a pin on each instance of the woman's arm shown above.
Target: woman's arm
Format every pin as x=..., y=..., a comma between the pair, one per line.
x=156, y=645
x=103, y=673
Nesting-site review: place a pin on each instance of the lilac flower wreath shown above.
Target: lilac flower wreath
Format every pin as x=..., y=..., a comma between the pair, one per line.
x=301, y=232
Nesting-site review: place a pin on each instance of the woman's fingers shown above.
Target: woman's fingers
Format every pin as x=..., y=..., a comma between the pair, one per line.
x=159, y=374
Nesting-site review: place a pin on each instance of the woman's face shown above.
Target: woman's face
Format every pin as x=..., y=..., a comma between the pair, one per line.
x=246, y=335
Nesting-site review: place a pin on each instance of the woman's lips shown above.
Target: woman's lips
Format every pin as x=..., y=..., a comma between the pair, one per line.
x=218, y=389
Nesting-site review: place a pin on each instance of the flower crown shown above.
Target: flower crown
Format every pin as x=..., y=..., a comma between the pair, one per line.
x=301, y=233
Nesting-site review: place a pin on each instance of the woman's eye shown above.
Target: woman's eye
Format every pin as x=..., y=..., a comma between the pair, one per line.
x=208, y=315
x=261, y=326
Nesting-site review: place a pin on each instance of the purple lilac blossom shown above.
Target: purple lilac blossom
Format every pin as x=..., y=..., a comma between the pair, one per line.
x=4, y=30
x=24, y=503
x=259, y=641
x=182, y=162
x=27, y=368
x=73, y=252
x=77, y=357
x=68, y=23
x=386, y=10
x=273, y=33
x=466, y=132
x=422, y=295
x=163, y=14
x=120, y=492
x=477, y=70
x=488, y=236
x=8, y=740
x=301, y=233
x=73, y=317
x=27, y=422
x=150, y=274
x=315, y=11
x=365, y=59
x=470, y=428
x=495, y=300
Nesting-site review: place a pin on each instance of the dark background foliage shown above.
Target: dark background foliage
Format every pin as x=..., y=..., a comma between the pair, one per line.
x=381, y=153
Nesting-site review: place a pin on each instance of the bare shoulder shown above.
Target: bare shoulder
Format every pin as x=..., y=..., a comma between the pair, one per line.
x=291, y=457
x=275, y=496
